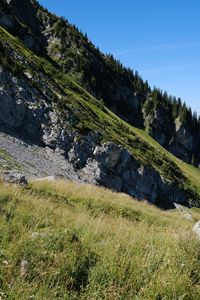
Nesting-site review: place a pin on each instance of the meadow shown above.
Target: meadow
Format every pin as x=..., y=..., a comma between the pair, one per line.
x=63, y=240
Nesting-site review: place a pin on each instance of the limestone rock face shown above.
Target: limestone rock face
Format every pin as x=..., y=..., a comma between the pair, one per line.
x=183, y=142
x=81, y=149
x=114, y=167
x=172, y=134
x=160, y=126
x=18, y=110
x=11, y=112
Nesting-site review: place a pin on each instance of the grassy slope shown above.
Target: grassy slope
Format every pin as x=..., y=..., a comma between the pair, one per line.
x=90, y=114
x=7, y=162
x=84, y=242
x=192, y=173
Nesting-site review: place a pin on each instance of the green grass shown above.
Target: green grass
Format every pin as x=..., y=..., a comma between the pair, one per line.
x=191, y=172
x=90, y=115
x=7, y=162
x=85, y=242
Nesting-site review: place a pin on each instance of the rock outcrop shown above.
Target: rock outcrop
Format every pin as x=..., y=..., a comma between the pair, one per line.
x=15, y=177
x=114, y=167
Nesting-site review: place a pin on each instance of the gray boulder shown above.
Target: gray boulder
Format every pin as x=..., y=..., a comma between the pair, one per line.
x=15, y=177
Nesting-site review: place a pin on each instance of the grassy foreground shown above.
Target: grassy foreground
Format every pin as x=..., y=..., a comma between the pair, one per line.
x=64, y=240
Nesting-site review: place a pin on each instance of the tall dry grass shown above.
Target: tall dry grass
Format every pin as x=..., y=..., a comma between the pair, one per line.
x=85, y=242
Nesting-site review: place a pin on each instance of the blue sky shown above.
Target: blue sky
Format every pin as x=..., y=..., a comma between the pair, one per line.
x=158, y=38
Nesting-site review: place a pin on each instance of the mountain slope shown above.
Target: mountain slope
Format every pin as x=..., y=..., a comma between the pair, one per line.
x=47, y=108
x=123, y=91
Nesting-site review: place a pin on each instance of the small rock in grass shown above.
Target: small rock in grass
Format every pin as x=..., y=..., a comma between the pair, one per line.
x=23, y=268
x=38, y=234
x=196, y=229
x=188, y=216
x=179, y=207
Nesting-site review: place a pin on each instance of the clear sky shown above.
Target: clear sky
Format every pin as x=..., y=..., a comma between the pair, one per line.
x=158, y=38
